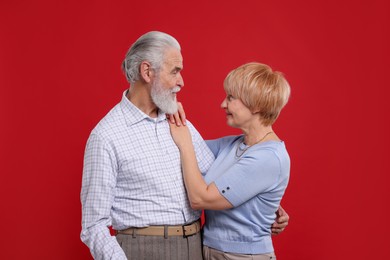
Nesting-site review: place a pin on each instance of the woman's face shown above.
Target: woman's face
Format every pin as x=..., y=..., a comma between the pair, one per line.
x=237, y=114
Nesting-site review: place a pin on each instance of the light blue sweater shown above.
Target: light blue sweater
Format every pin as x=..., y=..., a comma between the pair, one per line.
x=254, y=183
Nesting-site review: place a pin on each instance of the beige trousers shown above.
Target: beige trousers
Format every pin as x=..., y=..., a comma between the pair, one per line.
x=160, y=248
x=213, y=254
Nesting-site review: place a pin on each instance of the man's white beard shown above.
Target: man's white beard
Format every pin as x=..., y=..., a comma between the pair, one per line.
x=163, y=98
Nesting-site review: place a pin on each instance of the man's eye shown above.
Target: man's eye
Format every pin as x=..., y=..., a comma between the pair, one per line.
x=230, y=97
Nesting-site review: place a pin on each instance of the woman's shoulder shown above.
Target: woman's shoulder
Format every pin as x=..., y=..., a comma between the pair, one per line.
x=227, y=140
x=277, y=148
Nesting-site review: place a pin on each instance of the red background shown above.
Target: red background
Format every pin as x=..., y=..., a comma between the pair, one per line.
x=60, y=74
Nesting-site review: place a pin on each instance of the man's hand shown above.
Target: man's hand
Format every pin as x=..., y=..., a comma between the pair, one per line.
x=281, y=221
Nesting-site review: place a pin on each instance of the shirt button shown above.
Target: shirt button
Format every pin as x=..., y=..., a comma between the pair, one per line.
x=223, y=191
x=228, y=188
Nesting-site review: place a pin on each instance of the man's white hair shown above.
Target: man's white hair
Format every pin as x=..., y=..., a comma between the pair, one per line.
x=149, y=47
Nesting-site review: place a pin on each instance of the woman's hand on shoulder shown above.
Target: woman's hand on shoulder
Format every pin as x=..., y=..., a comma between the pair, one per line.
x=179, y=130
x=179, y=118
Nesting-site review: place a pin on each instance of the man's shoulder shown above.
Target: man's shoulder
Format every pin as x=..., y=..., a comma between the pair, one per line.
x=189, y=124
x=191, y=127
x=110, y=123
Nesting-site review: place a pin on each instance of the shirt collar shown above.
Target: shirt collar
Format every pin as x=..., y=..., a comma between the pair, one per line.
x=134, y=115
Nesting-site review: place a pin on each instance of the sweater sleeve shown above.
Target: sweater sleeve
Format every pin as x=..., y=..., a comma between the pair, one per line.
x=255, y=173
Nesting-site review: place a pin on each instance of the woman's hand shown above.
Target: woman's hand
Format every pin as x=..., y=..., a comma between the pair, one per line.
x=181, y=135
x=179, y=131
x=179, y=118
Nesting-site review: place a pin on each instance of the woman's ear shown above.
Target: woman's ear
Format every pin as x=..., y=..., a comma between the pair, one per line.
x=145, y=71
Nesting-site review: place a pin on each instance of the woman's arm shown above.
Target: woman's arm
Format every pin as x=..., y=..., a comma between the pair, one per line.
x=201, y=195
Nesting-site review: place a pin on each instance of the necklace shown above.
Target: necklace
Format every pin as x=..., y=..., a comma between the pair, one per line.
x=240, y=152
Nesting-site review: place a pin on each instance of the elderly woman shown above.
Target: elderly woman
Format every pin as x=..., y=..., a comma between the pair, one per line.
x=243, y=188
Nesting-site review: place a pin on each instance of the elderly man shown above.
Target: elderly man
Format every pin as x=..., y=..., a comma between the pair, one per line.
x=132, y=176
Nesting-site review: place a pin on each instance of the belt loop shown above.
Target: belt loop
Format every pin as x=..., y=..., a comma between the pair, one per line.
x=134, y=233
x=165, y=231
x=184, y=231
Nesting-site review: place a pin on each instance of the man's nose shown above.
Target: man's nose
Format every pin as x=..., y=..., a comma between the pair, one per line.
x=180, y=81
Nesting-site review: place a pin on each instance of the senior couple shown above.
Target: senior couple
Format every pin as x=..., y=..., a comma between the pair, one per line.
x=149, y=176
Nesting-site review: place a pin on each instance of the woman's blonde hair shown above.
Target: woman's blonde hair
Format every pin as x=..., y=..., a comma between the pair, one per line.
x=260, y=89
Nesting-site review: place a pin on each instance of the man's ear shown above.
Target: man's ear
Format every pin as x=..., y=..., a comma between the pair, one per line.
x=146, y=71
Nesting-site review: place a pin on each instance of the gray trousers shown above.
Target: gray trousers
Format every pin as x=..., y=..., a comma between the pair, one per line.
x=160, y=248
x=213, y=254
